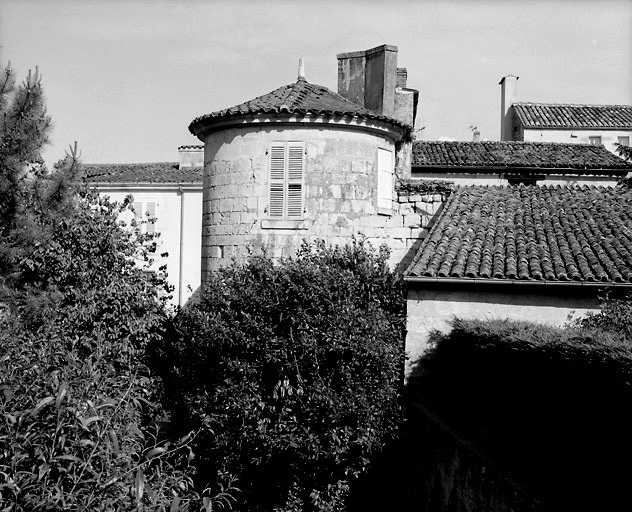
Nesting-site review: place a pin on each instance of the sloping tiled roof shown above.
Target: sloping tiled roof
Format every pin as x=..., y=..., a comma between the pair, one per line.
x=527, y=155
x=531, y=233
x=551, y=115
x=300, y=97
x=160, y=172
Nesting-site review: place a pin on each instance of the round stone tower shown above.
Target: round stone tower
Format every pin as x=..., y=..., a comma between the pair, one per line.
x=301, y=162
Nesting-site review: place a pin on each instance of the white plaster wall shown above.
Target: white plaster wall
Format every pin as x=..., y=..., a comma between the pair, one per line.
x=340, y=190
x=168, y=225
x=466, y=180
x=433, y=309
x=608, y=137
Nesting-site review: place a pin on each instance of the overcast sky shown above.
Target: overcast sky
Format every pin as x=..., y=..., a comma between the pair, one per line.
x=125, y=78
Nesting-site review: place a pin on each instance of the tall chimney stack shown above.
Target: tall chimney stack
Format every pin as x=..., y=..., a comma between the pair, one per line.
x=369, y=78
x=508, y=96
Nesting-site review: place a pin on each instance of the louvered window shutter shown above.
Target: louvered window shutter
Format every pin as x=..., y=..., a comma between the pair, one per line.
x=138, y=212
x=296, y=152
x=151, y=217
x=384, y=178
x=277, y=180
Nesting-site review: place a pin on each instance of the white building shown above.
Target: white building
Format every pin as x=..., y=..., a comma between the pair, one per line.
x=559, y=122
x=170, y=193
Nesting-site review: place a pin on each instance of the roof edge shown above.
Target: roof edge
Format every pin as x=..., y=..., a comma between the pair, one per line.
x=473, y=281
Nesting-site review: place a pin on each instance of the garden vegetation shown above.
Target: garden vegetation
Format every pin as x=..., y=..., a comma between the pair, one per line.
x=552, y=406
x=274, y=391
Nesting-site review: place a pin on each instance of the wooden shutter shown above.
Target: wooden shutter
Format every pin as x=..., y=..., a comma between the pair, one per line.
x=296, y=152
x=151, y=217
x=384, y=179
x=277, y=180
x=138, y=212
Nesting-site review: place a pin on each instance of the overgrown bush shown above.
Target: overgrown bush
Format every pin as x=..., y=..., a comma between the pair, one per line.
x=551, y=405
x=615, y=316
x=293, y=373
x=76, y=398
x=79, y=425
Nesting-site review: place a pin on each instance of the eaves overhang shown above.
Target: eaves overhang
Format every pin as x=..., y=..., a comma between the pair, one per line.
x=146, y=186
x=516, y=283
x=500, y=169
x=396, y=131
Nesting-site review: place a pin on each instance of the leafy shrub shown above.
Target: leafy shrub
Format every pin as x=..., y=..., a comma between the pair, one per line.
x=79, y=426
x=552, y=405
x=615, y=316
x=75, y=392
x=293, y=370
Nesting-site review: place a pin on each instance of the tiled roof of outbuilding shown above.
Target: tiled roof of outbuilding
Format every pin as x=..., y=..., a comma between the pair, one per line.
x=531, y=233
x=300, y=97
x=160, y=172
x=527, y=155
x=552, y=115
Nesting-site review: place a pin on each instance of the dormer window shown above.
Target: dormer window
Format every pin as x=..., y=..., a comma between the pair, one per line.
x=287, y=163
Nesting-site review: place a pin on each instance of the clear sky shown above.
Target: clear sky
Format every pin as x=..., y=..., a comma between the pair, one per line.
x=125, y=78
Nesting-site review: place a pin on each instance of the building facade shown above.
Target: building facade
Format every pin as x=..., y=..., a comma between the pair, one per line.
x=605, y=125
x=304, y=162
x=167, y=199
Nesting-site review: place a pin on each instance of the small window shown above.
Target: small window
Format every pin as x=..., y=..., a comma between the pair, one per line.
x=145, y=216
x=287, y=163
x=595, y=140
x=624, y=141
x=384, y=179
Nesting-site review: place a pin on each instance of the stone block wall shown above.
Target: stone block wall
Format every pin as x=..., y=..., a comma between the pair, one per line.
x=340, y=195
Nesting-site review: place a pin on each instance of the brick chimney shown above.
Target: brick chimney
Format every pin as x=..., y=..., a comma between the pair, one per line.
x=402, y=77
x=191, y=156
x=369, y=78
x=508, y=96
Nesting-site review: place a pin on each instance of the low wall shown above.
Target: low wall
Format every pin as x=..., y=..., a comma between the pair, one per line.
x=446, y=473
x=432, y=307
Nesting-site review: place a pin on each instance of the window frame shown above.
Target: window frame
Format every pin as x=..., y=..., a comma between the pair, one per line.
x=146, y=221
x=384, y=202
x=286, y=177
x=595, y=140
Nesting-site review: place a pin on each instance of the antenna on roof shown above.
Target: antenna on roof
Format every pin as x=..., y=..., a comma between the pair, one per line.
x=301, y=68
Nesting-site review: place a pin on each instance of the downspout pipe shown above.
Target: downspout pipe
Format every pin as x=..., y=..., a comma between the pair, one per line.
x=181, y=255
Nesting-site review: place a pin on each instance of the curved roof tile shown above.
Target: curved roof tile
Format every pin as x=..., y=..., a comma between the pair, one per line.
x=528, y=155
x=531, y=233
x=552, y=115
x=300, y=97
x=159, y=172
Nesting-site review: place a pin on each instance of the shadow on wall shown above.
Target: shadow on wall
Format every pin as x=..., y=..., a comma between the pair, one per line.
x=510, y=416
x=435, y=465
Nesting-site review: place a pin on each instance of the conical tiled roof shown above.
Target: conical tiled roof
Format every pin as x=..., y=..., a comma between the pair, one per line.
x=300, y=97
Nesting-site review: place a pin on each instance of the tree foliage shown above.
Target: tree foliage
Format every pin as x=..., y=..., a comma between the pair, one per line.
x=293, y=372
x=550, y=405
x=79, y=425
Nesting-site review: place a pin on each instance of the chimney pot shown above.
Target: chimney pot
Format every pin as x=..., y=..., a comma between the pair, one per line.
x=402, y=77
x=508, y=95
x=191, y=156
x=476, y=136
x=301, y=68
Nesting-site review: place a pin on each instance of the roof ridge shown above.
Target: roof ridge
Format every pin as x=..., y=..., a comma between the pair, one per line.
x=619, y=105
x=300, y=96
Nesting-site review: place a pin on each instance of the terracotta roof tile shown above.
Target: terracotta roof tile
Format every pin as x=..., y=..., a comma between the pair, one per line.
x=578, y=158
x=160, y=172
x=550, y=115
x=531, y=233
x=300, y=97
